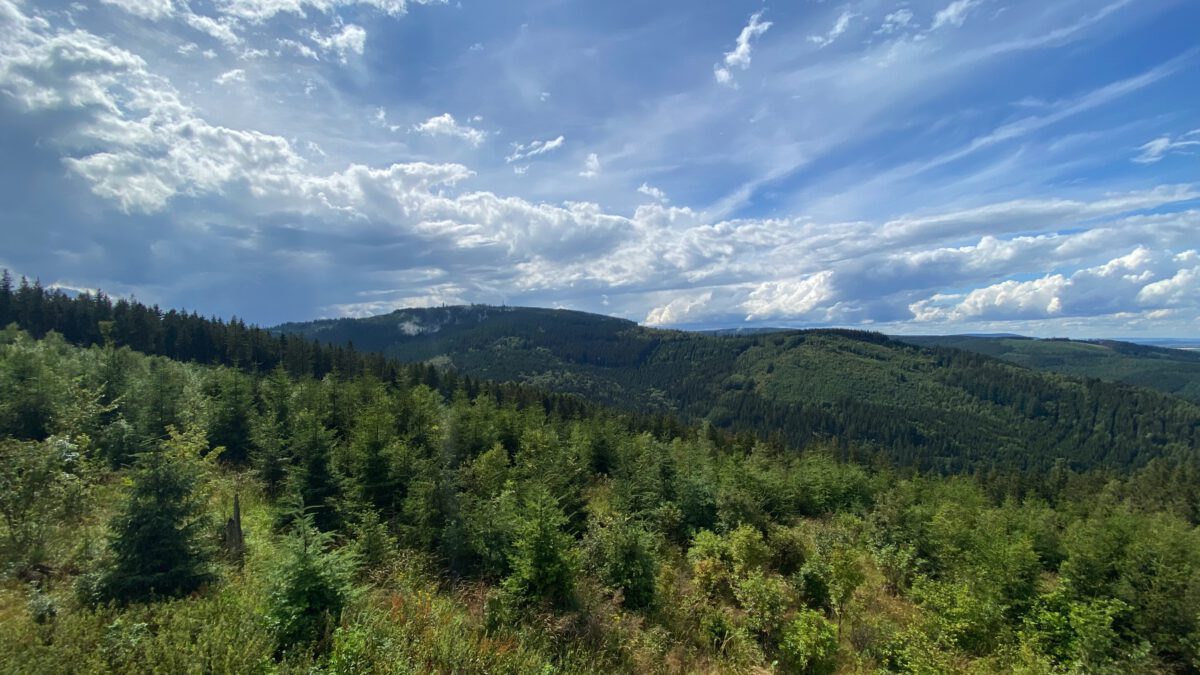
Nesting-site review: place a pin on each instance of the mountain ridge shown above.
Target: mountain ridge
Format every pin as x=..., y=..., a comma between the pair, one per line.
x=937, y=407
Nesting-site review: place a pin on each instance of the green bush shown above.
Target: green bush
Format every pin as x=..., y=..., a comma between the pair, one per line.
x=623, y=555
x=809, y=644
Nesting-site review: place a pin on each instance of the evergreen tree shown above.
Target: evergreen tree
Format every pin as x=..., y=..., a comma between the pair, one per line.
x=6, y=299
x=313, y=481
x=230, y=407
x=310, y=590
x=157, y=539
x=543, y=557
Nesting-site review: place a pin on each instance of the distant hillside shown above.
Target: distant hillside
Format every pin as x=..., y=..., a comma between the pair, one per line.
x=1175, y=371
x=933, y=407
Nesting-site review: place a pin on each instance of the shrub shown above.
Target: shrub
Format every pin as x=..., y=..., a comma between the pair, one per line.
x=809, y=643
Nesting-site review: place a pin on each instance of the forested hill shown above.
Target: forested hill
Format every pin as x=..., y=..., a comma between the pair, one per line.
x=167, y=517
x=935, y=408
x=1175, y=371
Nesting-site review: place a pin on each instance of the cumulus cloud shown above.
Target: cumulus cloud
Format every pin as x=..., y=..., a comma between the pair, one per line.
x=1162, y=146
x=739, y=57
x=229, y=76
x=679, y=310
x=232, y=16
x=790, y=298
x=296, y=47
x=653, y=193
x=591, y=166
x=223, y=30
x=144, y=147
x=446, y=125
x=533, y=149
x=1142, y=280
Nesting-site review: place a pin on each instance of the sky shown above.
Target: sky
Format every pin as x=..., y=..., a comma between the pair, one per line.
x=918, y=166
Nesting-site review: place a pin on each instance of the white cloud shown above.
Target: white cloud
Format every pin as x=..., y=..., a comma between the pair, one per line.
x=222, y=30
x=351, y=39
x=235, y=75
x=1180, y=290
x=739, y=57
x=591, y=167
x=446, y=125
x=534, y=148
x=790, y=298
x=679, y=310
x=954, y=14
x=839, y=27
x=258, y=11
x=142, y=146
x=1162, y=146
x=895, y=22
x=1143, y=280
x=653, y=193
x=297, y=47
x=153, y=10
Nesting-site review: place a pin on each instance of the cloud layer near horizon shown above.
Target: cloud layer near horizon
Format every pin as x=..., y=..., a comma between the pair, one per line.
x=250, y=158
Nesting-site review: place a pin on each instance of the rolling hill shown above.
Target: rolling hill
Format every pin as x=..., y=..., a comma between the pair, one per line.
x=1175, y=371
x=933, y=407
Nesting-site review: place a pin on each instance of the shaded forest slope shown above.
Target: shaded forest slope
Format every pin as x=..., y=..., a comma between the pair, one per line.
x=934, y=407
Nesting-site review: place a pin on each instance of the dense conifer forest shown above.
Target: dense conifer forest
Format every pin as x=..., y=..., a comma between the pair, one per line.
x=1175, y=371
x=189, y=495
x=935, y=408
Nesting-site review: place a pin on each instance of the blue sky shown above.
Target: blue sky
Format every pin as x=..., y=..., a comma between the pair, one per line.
x=909, y=166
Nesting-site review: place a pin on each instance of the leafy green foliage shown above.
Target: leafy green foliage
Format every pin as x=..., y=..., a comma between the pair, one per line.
x=41, y=488
x=810, y=644
x=624, y=557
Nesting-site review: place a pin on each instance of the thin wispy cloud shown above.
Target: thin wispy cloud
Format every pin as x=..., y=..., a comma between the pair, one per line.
x=1157, y=149
x=954, y=14
x=895, y=22
x=532, y=149
x=591, y=166
x=739, y=58
x=839, y=27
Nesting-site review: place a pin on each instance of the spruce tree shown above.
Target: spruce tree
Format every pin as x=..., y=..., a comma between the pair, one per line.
x=157, y=539
x=543, y=557
x=311, y=588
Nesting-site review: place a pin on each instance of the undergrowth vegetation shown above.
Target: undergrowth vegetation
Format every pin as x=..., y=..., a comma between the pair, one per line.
x=383, y=527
